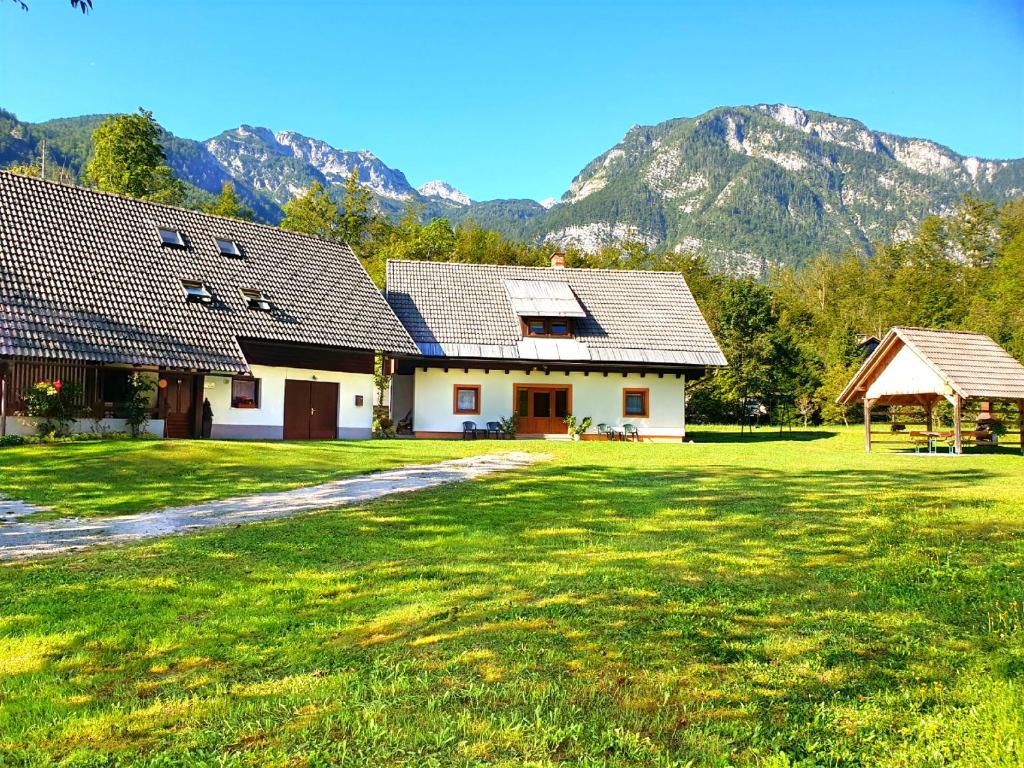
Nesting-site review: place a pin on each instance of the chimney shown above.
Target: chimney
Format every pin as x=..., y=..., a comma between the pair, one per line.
x=558, y=260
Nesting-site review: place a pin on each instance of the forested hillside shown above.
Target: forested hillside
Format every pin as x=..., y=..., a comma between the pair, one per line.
x=751, y=188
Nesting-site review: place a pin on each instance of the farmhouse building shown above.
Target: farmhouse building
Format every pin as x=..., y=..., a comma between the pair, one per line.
x=276, y=330
x=543, y=344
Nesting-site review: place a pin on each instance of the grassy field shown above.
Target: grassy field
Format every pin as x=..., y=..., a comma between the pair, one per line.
x=770, y=601
x=122, y=477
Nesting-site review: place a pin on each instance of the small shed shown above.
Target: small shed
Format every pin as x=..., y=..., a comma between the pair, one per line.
x=922, y=366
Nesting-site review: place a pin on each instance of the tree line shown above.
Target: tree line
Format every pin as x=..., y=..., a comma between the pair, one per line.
x=793, y=339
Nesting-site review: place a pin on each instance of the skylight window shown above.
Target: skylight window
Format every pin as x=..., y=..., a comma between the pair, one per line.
x=256, y=299
x=196, y=292
x=228, y=248
x=171, y=237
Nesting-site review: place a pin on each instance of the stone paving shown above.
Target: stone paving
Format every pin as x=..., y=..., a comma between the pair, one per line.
x=21, y=538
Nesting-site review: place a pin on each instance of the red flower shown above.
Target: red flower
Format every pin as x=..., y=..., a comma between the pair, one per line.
x=57, y=385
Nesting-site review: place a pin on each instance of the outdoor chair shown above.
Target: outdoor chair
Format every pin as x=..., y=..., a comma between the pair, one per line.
x=469, y=430
x=629, y=432
x=494, y=428
x=404, y=426
x=604, y=429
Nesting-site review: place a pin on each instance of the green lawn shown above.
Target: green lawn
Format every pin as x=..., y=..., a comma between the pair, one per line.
x=123, y=477
x=773, y=602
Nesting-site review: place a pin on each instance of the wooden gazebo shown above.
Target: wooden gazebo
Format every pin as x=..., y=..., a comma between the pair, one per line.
x=922, y=366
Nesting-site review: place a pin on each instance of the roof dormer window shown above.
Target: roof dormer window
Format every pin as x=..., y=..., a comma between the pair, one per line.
x=257, y=300
x=196, y=292
x=228, y=248
x=556, y=327
x=171, y=237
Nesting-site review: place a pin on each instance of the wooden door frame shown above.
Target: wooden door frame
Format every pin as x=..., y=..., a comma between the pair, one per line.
x=195, y=422
x=516, y=388
x=198, y=399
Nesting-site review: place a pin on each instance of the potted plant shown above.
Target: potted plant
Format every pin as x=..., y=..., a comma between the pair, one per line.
x=509, y=426
x=996, y=427
x=577, y=426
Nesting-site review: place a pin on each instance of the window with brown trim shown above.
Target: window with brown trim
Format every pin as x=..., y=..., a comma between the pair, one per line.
x=245, y=393
x=635, y=403
x=547, y=326
x=467, y=398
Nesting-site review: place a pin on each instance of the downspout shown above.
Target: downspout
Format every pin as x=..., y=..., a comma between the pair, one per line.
x=3, y=400
x=684, y=408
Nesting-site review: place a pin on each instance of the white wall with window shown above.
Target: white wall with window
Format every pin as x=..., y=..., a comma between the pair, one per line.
x=441, y=401
x=253, y=407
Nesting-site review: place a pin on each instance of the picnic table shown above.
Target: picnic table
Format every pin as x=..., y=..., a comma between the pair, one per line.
x=930, y=440
x=933, y=439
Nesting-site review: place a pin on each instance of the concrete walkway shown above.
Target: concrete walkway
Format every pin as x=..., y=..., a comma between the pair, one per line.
x=23, y=539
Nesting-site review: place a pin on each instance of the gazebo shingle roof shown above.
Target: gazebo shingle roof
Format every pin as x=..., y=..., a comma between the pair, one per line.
x=83, y=276
x=464, y=310
x=975, y=366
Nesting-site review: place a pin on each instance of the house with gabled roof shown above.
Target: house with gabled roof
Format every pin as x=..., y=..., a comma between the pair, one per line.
x=543, y=344
x=276, y=330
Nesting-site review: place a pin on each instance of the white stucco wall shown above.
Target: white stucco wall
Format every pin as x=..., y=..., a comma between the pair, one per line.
x=906, y=374
x=267, y=421
x=596, y=395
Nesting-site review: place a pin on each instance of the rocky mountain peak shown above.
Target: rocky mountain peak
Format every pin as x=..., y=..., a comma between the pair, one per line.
x=442, y=190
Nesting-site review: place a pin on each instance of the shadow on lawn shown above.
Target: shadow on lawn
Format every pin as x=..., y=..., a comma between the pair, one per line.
x=676, y=596
x=760, y=435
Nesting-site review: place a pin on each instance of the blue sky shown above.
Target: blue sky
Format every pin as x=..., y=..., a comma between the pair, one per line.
x=512, y=99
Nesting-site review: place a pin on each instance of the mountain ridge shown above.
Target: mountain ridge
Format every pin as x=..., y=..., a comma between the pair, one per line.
x=747, y=187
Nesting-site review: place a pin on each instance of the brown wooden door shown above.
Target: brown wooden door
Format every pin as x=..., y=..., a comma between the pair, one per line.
x=323, y=414
x=179, y=405
x=310, y=410
x=542, y=410
x=296, y=409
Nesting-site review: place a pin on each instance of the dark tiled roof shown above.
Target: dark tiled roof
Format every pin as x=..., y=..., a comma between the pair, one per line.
x=463, y=310
x=83, y=276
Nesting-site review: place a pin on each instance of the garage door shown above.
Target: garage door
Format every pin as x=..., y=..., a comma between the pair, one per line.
x=310, y=410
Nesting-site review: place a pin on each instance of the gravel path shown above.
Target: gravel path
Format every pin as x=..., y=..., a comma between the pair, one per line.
x=22, y=539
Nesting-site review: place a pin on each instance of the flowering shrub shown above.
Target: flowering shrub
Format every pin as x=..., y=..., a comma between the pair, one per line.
x=56, y=403
x=136, y=404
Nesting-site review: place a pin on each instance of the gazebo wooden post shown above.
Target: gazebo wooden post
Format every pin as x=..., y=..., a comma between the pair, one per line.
x=867, y=424
x=1020, y=423
x=958, y=407
x=928, y=411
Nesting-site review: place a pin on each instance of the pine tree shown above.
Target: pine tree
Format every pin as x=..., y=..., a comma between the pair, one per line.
x=229, y=204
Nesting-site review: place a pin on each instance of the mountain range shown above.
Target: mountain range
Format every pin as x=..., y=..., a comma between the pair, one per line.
x=747, y=187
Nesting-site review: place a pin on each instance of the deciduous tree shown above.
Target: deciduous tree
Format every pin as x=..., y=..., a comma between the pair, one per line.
x=314, y=213
x=127, y=159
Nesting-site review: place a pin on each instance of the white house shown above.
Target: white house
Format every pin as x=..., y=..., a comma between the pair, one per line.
x=275, y=331
x=544, y=343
